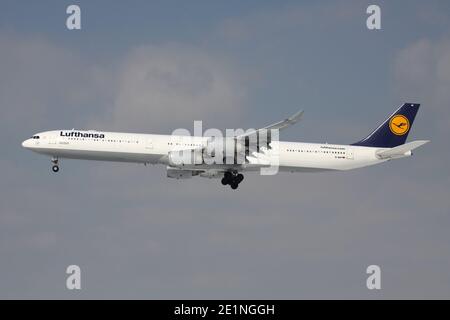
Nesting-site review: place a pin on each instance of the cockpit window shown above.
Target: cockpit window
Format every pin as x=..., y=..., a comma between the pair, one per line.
x=35, y=137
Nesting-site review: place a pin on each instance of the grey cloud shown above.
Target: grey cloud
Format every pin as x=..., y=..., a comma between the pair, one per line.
x=41, y=81
x=146, y=90
x=176, y=84
x=422, y=71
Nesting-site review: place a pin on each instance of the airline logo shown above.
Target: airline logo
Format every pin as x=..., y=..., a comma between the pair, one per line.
x=81, y=134
x=399, y=125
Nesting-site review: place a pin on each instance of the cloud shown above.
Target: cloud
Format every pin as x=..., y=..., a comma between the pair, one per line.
x=151, y=88
x=41, y=81
x=162, y=86
x=422, y=73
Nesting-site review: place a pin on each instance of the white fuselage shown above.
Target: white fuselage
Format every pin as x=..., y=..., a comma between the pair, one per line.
x=154, y=149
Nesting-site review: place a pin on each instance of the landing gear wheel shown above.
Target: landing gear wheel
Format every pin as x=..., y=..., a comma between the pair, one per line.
x=55, y=168
x=233, y=179
x=227, y=178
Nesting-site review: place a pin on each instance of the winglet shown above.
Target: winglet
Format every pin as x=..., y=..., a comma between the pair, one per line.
x=287, y=122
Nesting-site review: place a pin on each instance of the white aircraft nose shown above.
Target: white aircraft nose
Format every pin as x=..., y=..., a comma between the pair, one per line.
x=26, y=143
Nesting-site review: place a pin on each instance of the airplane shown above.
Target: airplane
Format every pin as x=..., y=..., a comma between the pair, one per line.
x=385, y=143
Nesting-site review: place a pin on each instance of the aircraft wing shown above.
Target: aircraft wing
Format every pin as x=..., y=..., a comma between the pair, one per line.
x=401, y=150
x=278, y=125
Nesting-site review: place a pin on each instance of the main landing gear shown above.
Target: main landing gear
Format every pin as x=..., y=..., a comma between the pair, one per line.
x=233, y=179
x=55, y=167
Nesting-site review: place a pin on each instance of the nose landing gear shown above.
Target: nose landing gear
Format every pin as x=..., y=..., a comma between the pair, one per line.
x=55, y=167
x=233, y=179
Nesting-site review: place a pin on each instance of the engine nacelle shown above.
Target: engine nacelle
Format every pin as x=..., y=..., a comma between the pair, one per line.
x=179, y=174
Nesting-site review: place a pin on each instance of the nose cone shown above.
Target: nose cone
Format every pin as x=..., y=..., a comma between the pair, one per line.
x=26, y=144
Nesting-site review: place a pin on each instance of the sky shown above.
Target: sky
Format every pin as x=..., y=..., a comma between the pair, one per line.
x=155, y=66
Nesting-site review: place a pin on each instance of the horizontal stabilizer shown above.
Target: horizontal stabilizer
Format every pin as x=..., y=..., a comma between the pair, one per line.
x=400, y=151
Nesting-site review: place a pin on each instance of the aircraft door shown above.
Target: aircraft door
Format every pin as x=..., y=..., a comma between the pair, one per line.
x=349, y=154
x=52, y=139
x=149, y=144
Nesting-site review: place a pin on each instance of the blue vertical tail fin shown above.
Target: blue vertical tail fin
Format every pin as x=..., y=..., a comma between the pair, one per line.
x=394, y=130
